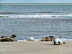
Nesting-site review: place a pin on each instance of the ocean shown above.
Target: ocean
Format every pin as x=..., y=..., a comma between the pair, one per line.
x=36, y=20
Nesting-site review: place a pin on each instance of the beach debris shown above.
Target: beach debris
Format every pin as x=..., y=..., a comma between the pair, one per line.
x=7, y=39
x=30, y=39
x=48, y=38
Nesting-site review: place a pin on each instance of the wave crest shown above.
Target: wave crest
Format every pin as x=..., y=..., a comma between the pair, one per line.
x=34, y=16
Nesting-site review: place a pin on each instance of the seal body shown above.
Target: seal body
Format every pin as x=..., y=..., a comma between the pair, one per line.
x=8, y=39
x=58, y=41
x=30, y=39
x=48, y=38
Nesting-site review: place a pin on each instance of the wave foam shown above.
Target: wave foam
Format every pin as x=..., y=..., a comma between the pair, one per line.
x=26, y=40
x=34, y=16
x=64, y=39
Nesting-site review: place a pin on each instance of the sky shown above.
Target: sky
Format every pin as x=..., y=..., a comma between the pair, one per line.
x=35, y=1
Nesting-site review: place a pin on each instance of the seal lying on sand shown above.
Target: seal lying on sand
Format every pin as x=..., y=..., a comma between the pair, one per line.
x=58, y=41
x=30, y=39
x=48, y=38
x=7, y=39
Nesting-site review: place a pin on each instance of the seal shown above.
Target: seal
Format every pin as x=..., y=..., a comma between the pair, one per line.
x=7, y=39
x=48, y=38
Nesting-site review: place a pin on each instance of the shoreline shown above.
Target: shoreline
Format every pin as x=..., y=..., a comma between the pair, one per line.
x=63, y=39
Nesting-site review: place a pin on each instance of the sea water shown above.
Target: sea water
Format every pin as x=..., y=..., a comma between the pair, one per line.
x=36, y=21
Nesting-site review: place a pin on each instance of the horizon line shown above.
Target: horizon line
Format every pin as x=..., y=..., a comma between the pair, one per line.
x=35, y=3
x=49, y=3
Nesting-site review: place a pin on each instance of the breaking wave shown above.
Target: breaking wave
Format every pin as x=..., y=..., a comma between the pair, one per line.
x=35, y=16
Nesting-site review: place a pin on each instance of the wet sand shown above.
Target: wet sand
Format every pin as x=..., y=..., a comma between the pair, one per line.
x=35, y=47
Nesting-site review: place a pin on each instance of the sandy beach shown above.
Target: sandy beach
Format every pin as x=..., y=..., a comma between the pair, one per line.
x=35, y=47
